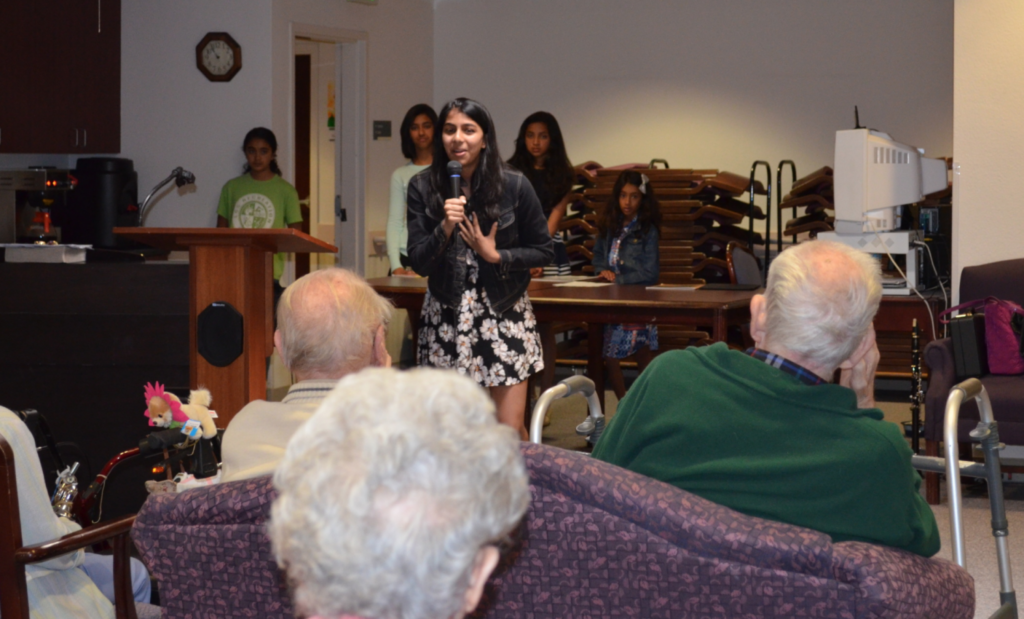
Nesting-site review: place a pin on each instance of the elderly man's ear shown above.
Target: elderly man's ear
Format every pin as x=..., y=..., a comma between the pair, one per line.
x=277, y=343
x=381, y=358
x=486, y=561
x=758, y=319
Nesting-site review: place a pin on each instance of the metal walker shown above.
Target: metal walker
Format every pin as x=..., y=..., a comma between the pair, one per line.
x=592, y=426
x=987, y=434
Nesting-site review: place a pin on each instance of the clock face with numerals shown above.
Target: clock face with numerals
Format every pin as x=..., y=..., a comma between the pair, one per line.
x=218, y=56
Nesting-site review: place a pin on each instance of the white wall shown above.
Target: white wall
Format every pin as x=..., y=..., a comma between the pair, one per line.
x=399, y=75
x=14, y=162
x=703, y=83
x=171, y=115
x=988, y=127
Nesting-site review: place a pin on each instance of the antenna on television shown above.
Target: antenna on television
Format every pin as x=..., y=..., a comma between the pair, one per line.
x=856, y=118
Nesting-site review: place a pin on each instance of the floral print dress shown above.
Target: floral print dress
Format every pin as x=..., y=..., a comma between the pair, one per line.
x=493, y=349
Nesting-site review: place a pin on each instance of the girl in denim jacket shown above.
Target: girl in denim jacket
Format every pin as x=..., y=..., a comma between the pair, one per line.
x=626, y=252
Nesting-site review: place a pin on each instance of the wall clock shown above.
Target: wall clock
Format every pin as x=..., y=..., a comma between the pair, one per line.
x=219, y=57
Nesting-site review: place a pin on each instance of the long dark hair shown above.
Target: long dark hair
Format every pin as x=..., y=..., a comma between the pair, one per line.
x=649, y=214
x=558, y=173
x=408, y=148
x=262, y=133
x=488, y=180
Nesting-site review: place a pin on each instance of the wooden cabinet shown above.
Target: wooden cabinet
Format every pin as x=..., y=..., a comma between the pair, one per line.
x=61, y=72
x=893, y=326
x=16, y=76
x=80, y=341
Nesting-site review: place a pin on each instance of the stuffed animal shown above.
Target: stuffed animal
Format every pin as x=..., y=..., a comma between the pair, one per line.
x=165, y=410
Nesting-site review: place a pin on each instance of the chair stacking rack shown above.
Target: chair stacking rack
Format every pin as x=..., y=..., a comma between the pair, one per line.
x=778, y=209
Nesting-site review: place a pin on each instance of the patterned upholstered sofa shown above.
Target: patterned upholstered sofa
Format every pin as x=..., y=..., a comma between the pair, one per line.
x=598, y=541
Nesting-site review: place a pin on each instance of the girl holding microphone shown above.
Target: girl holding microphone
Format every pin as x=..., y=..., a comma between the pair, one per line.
x=477, y=249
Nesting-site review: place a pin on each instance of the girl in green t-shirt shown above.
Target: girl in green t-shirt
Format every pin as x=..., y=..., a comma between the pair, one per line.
x=260, y=198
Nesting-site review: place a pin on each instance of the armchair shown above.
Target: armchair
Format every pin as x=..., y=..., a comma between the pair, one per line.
x=1005, y=280
x=209, y=551
x=14, y=557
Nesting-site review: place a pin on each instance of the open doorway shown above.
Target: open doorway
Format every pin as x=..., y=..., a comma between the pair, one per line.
x=337, y=84
x=315, y=132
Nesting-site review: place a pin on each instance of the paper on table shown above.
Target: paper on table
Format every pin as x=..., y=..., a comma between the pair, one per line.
x=25, y=252
x=564, y=278
x=671, y=287
x=583, y=285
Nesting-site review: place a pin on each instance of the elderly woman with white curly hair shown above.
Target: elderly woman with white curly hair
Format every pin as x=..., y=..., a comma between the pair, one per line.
x=394, y=496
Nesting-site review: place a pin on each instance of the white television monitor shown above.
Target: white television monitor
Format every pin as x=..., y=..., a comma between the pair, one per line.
x=874, y=174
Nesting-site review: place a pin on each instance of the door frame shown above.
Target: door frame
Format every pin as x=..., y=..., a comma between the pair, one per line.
x=351, y=135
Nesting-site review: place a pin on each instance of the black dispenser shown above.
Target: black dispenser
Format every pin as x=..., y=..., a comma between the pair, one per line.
x=106, y=197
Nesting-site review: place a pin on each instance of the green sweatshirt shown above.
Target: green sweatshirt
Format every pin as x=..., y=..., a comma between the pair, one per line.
x=248, y=203
x=739, y=432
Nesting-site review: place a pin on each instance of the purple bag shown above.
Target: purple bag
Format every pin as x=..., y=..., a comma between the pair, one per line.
x=1003, y=341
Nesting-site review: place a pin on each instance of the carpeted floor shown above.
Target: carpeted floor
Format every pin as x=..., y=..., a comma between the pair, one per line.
x=979, y=545
x=894, y=402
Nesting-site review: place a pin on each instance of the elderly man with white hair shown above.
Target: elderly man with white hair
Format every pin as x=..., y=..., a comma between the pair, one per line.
x=765, y=432
x=394, y=496
x=330, y=323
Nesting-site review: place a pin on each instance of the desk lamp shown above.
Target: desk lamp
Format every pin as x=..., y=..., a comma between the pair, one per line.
x=179, y=175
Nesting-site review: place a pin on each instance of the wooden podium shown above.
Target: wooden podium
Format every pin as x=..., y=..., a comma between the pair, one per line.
x=235, y=266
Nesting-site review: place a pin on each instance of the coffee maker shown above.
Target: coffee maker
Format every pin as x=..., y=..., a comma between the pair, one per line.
x=29, y=200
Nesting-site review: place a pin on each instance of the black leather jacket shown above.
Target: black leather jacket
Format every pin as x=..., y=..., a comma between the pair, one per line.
x=522, y=241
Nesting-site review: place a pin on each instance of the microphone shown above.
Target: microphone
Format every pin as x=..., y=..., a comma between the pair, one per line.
x=455, y=174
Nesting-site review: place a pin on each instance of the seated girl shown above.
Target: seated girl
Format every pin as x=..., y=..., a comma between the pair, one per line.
x=626, y=252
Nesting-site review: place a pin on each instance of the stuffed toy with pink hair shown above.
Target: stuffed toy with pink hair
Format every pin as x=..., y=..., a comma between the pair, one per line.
x=165, y=410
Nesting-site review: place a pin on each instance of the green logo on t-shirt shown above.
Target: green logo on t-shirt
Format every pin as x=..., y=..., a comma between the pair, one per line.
x=253, y=211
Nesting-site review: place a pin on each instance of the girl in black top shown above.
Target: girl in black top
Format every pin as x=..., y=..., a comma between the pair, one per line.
x=477, y=250
x=540, y=155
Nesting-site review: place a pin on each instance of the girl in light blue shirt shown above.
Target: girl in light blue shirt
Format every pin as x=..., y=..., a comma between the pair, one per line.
x=418, y=145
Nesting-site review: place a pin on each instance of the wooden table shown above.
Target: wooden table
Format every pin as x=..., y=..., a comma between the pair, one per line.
x=719, y=309
x=893, y=323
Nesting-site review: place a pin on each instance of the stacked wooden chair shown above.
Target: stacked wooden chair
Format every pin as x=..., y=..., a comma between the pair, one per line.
x=813, y=194
x=579, y=229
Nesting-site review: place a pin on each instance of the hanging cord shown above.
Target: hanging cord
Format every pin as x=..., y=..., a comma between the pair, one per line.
x=931, y=314
x=938, y=278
